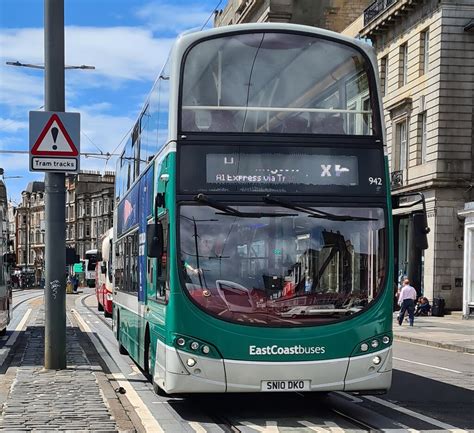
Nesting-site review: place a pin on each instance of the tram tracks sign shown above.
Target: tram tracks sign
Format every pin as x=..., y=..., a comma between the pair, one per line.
x=54, y=141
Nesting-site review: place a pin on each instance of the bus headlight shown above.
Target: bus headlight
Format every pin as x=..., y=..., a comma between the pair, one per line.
x=376, y=360
x=181, y=341
x=364, y=347
x=205, y=350
x=191, y=362
x=385, y=339
x=374, y=344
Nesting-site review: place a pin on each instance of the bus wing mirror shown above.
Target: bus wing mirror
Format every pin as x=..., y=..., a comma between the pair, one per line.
x=154, y=240
x=420, y=230
x=418, y=219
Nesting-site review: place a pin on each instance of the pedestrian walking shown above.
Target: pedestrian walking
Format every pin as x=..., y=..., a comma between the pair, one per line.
x=406, y=300
x=75, y=283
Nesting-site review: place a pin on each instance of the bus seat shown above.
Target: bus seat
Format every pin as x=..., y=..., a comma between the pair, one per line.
x=188, y=121
x=222, y=122
x=295, y=125
x=328, y=125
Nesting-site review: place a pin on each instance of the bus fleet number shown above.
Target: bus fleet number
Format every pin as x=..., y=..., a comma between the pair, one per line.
x=375, y=180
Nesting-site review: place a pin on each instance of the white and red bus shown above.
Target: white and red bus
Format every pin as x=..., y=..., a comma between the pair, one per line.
x=104, y=276
x=90, y=262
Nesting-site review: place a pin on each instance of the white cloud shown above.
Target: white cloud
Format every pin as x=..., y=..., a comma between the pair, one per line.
x=20, y=88
x=118, y=53
x=123, y=53
x=167, y=17
x=9, y=125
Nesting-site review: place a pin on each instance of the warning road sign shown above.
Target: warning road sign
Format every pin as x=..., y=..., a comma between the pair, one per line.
x=54, y=141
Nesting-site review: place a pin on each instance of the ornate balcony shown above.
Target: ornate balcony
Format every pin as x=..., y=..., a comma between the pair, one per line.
x=383, y=14
x=396, y=179
x=375, y=9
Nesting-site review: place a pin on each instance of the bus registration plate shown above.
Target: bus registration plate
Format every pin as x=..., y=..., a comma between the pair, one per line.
x=286, y=385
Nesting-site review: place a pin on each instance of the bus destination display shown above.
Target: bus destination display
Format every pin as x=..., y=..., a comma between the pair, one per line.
x=281, y=169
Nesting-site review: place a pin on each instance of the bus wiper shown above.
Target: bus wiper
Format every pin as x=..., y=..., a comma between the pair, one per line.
x=314, y=213
x=227, y=210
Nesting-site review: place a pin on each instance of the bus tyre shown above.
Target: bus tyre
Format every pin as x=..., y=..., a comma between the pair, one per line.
x=121, y=348
x=160, y=391
x=100, y=307
x=3, y=331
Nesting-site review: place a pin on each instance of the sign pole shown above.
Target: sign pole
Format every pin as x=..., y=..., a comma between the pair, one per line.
x=55, y=196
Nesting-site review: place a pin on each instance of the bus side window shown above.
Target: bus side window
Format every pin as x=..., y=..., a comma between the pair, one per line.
x=162, y=263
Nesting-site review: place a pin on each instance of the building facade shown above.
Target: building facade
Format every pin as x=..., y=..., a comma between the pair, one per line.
x=468, y=286
x=426, y=61
x=89, y=209
x=11, y=221
x=333, y=15
x=30, y=227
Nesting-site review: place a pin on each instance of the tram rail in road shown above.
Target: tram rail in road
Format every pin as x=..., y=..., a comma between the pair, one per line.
x=336, y=412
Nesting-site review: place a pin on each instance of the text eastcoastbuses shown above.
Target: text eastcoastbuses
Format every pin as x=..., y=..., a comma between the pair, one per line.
x=292, y=350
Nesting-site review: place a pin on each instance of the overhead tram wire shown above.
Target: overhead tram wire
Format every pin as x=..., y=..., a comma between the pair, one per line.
x=212, y=13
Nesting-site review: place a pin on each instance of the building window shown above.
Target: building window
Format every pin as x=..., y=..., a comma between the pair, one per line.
x=88, y=229
x=88, y=208
x=403, y=62
x=384, y=74
x=422, y=123
x=424, y=52
x=401, y=145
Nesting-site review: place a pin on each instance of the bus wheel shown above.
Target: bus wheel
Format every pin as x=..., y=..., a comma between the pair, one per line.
x=3, y=331
x=121, y=348
x=100, y=307
x=160, y=391
x=147, y=361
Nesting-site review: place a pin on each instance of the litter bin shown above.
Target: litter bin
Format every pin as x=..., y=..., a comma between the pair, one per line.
x=438, y=307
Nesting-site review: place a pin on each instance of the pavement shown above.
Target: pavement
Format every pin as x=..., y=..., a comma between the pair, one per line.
x=448, y=332
x=85, y=398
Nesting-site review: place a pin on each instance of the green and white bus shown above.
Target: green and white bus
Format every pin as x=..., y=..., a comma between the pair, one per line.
x=253, y=242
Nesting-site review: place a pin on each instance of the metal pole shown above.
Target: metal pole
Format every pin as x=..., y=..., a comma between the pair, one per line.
x=55, y=196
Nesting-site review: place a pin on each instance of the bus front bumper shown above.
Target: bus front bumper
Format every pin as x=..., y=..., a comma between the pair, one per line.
x=174, y=374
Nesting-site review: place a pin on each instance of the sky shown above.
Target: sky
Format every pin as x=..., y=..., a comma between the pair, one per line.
x=126, y=40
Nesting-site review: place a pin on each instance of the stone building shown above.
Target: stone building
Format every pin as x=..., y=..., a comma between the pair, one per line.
x=11, y=221
x=333, y=15
x=89, y=209
x=426, y=61
x=30, y=230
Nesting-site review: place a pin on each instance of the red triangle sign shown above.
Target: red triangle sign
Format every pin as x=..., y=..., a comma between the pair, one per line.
x=54, y=140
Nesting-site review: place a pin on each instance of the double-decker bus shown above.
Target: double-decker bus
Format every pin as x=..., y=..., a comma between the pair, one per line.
x=90, y=262
x=104, y=274
x=253, y=237
x=6, y=262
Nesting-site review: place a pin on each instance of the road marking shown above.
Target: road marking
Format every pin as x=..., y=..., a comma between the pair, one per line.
x=14, y=335
x=148, y=420
x=198, y=428
x=428, y=365
x=331, y=427
x=447, y=427
x=350, y=397
x=270, y=428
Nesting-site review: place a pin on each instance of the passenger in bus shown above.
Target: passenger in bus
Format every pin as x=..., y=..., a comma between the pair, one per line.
x=324, y=123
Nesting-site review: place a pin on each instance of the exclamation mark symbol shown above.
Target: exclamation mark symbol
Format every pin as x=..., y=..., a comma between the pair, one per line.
x=54, y=133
